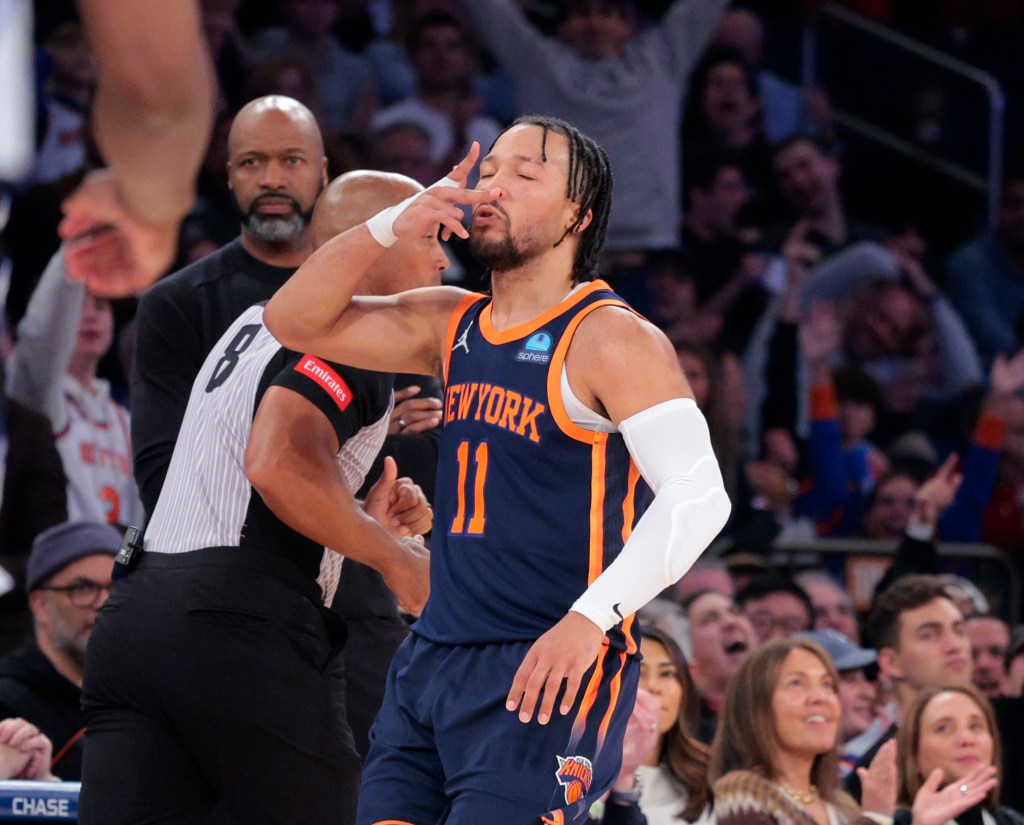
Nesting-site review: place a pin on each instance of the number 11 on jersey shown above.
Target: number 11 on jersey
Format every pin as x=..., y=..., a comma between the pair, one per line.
x=479, y=479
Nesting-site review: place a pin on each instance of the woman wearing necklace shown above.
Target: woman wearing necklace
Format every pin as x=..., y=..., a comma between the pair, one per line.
x=775, y=760
x=947, y=748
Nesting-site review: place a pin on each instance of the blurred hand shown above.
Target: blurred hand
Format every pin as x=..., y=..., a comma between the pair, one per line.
x=820, y=334
x=934, y=807
x=1006, y=377
x=937, y=493
x=641, y=737
x=879, y=781
x=413, y=414
x=108, y=248
x=22, y=742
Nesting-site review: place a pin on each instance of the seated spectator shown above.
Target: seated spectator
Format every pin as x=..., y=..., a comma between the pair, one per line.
x=857, y=694
x=707, y=573
x=808, y=177
x=53, y=370
x=444, y=104
x=723, y=114
x=68, y=579
x=775, y=755
x=990, y=640
x=889, y=507
x=403, y=148
x=986, y=276
x=716, y=383
x=25, y=752
x=720, y=637
x=347, y=91
x=786, y=110
x=909, y=338
x=948, y=756
x=844, y=466
x=668, y=783
x=34, y=497
x=719, y=249
x=776, y=606
x=1013, y=665
x=833, y=606
x=67, y=92
x=919, y=634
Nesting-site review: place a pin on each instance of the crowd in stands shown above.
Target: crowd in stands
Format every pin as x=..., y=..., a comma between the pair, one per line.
x=862, y=375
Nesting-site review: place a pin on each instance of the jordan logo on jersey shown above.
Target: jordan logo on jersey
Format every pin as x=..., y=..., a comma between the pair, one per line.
x=575, y=774
x=463, y=339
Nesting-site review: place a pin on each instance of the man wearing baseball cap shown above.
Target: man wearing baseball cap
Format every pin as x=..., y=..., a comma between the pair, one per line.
x=68, y=580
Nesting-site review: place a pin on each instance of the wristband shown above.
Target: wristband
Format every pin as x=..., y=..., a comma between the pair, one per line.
x=382, y=225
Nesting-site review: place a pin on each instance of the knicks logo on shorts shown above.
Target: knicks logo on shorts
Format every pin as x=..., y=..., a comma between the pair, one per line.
x=575, y=773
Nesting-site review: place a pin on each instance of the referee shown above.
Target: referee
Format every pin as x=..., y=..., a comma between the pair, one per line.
x=213, y=690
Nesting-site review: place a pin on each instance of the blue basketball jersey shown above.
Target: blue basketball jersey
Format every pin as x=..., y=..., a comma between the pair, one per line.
x=530, y=508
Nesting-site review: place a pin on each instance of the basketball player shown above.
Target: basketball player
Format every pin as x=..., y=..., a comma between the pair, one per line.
x=510, y=699
x=213, y=690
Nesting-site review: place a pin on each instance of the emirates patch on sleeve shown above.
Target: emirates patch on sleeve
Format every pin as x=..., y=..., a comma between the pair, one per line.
x=322, y=374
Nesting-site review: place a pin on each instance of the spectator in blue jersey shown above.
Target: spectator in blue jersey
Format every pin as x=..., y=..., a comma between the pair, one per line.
x=534, y=597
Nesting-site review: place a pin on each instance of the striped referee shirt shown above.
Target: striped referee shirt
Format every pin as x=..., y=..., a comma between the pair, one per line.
x=207, y=500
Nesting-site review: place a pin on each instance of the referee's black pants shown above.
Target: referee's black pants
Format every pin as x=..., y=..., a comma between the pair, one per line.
x=214, y=693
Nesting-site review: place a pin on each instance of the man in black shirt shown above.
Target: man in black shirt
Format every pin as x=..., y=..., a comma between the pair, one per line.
x=276, y=170
x=68, y=579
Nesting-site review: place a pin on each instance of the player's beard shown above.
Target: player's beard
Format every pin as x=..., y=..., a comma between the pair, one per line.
x=498, y=256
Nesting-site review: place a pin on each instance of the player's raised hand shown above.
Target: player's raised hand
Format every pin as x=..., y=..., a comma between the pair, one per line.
x=439, y=204
x=107, y=247
x=563, y=654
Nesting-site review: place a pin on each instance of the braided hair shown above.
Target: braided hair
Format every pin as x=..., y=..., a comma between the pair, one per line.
x=589, y=185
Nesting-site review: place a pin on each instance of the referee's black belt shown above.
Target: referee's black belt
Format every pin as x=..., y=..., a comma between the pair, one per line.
x=242, y=558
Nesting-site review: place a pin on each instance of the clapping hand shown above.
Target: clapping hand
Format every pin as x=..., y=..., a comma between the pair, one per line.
x=934, y=807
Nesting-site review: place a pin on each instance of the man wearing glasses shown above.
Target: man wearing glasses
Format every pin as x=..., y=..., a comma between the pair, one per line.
x=68, y=580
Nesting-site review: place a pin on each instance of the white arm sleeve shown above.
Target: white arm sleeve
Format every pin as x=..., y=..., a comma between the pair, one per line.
x=671, y=447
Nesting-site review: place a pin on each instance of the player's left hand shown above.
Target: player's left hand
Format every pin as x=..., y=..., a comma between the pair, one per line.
x=564, y=653
x=107, y=247
x=399, y=503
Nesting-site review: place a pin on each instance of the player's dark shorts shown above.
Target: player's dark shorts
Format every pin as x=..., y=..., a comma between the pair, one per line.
x=445, y=750
x=214, y=693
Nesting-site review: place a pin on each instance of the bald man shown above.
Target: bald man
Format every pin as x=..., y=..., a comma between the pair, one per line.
x=276, y=170
x=214, y=680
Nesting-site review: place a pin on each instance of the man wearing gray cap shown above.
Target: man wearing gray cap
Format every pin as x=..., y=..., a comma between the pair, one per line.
x=859, y=726
x=68, y=580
